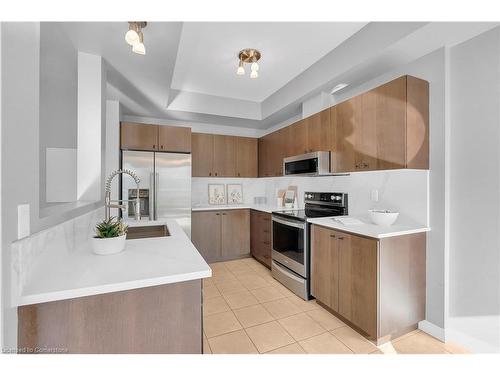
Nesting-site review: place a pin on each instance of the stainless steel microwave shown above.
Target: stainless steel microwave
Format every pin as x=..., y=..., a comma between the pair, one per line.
x=311, y=164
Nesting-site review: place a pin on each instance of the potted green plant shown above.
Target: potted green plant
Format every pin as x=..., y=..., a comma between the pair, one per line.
x=110, y=236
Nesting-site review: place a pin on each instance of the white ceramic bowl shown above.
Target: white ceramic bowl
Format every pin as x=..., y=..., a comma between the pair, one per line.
x=383, y=217
x=108, y=246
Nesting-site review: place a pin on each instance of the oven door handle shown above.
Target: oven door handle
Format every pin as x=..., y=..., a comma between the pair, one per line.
x=290, y=223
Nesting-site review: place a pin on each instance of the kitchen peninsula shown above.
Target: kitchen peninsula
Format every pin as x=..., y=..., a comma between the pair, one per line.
x=146, y=299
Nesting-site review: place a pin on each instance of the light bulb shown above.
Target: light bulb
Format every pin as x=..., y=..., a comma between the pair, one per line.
x=240, y=71
x=139, y=48
x=254, y=74
x=132, y=36
x=254, y=67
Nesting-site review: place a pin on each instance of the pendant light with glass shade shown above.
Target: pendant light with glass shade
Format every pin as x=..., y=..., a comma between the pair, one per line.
x=249, y=56
x=135, y=37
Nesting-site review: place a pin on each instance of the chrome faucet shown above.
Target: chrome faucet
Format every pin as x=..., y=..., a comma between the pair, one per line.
x=109, y=204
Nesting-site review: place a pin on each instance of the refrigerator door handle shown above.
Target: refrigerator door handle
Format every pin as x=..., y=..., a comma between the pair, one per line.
x=152, y=204
x=157, y=187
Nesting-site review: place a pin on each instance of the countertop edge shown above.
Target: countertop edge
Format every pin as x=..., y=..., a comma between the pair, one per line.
x=31, y=299
x=267, y=209
x=380, y=236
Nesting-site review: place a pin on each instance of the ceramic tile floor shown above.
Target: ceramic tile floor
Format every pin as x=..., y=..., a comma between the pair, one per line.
x=246, y=311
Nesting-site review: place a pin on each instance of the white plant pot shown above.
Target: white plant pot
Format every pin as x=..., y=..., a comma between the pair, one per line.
x=108, y=246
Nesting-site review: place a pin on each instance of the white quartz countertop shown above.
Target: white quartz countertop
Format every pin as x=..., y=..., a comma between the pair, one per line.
x=258, y=207
x=368, y=229
x=144, y=263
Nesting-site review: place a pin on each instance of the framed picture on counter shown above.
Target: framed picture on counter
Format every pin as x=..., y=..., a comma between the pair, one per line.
x=234, y=193
x=216, y=194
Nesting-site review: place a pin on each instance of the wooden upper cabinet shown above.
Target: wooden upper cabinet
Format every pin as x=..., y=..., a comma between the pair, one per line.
x=319, y=132
x=246, y=157
x=139, y=137
x=417, y=123
x=262, y=159
x=345, y=120
x=224, y=156
x=276, y=152
x=298, y=139
x=174, y=138
x=202, y=154
x=146, y=137
x=384, y=128
x=389, y=103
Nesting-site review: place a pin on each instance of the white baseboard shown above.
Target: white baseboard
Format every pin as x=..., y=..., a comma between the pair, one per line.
x=432, y=329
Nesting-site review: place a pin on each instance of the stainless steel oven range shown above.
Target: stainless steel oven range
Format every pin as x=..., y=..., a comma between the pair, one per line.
x=290, y=239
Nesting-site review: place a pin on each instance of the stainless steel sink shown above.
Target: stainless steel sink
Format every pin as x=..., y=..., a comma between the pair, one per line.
x=147, y=231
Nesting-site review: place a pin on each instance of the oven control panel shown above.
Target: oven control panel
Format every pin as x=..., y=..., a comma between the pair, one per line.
x=339, y=199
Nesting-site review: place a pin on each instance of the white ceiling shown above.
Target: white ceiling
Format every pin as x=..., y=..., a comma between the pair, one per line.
x=145, y=78
x=207, y=56
x=189, y=71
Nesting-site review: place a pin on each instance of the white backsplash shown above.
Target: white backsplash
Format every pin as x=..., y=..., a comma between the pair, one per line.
x=59, y=239
x=405, y=191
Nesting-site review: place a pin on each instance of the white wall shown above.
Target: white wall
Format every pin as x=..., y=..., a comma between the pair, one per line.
x=90, y=123
x=20, y=43
x=113, y=143
x=1, y=172
x=58, y=105
x=474, y=308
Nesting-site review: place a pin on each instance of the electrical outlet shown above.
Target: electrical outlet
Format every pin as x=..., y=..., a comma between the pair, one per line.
x=374, y=195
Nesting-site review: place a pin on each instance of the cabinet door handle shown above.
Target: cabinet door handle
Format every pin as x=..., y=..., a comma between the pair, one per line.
x=265, y=231
x=332, y=235
x=267, y=242
x=161, y=147
x=224, y=213
x=341, y=238
x=154, y=146
x=209, y=173
x=217, y=214
x=216, y=173
x=238, y=174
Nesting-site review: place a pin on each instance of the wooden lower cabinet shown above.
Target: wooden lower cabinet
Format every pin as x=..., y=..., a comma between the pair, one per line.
x=358, y=281
x=376, y=286
x=260, y=236
x=221, y=235
x=206, y=234
x=159, y=319
x=235, y=241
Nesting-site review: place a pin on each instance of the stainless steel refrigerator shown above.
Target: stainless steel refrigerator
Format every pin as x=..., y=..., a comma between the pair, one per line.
x=165, y=187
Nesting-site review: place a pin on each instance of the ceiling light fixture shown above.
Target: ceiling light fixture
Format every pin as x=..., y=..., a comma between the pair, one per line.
x=339, y=87
x=135, y=37
x=249, y=56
